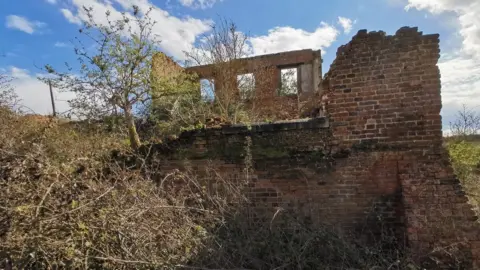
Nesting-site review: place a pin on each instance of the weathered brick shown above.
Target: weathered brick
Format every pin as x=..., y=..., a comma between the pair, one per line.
x=381, y=154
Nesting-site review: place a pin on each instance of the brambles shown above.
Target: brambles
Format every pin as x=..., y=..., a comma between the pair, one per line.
x=69, y=203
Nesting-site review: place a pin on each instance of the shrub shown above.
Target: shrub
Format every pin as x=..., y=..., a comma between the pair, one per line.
x=67, y=203
x=465, y=158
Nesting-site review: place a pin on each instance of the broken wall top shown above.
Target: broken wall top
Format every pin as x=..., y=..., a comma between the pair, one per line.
x=247, y=65
x=386, y=89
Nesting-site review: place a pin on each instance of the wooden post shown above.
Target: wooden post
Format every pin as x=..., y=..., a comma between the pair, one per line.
x=51, y=97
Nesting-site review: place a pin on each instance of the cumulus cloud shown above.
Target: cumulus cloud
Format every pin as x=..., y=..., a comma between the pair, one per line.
x=70, y=17
x=346, y=23
x=460, y=69
x=23, y=24
x=460, y=78
x=287, y=38
x=180, y=34
x=176, y=34
x=202, y=4
x=34, y=94
x=466, y=12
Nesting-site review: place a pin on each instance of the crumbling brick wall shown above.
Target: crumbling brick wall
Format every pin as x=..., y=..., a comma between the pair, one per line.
x=386, y=89
x=266, y=70
x=164, y=69
x=374, y=163
x=384, y=94
x=293, y=169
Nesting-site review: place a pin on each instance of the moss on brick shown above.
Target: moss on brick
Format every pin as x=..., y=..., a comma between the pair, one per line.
x=268, y=152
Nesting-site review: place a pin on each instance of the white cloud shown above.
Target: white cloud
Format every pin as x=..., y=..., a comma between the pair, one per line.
x=466, y=12
x=179, y=34
x=19, y=73
x=61, y=44
x=203, y=4
x=176, y=34
x=70, y=17
x=34, y=94
x=460, y=85
x=287, y=39
x=460, y=78
x=346, y=23
x=460, y=69
x=23, y=24
x=53, y=2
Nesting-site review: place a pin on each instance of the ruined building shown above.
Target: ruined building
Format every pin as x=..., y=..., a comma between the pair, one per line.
x=266, y=71
x=375, y=159
x=267, y=75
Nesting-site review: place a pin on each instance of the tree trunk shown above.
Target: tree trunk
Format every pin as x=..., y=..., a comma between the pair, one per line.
x=132, y=130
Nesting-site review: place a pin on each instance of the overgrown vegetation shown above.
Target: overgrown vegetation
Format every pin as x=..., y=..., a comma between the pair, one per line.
x=8, y=98
x=465, y=157
x=67, y=202
x=241, y=91
x=464, y=148
x=76, y=195
x=114, y=78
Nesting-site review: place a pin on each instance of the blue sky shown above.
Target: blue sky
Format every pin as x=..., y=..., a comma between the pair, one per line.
x=38, y=32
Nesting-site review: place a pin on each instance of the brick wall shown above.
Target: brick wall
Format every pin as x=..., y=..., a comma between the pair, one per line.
x=293, y=169
x=374, y=164
x=387, y=88
x=266, y=70
x=384, y=94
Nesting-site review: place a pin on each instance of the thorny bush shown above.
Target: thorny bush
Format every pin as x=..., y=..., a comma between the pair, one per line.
x=66, y=203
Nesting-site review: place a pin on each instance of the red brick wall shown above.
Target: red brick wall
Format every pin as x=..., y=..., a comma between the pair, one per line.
x=374, y=165
x=384, y=93
x=386, y=88
x=294, y=170
x=266, y=69
x=438, y=216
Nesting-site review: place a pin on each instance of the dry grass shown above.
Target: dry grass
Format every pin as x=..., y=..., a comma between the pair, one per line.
x=66, y=204
x=61, y=205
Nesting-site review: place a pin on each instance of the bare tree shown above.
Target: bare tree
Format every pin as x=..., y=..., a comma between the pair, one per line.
x=242, y=90
x=288, y=83
x=223, y=48
x=8, y=98
x=114, y=77
x=4, y=86
x=467, y=122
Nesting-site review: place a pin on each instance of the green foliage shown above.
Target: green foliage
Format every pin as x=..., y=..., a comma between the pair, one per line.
x=465, y=158
x=115, y=75
x=174, y=85
x=177, y=104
